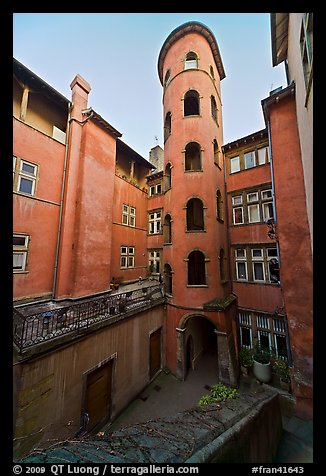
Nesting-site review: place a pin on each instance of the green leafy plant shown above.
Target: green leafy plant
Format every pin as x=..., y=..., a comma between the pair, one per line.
x=246, y=357
x=261, y=355
x=218, y=393
x=281, y=368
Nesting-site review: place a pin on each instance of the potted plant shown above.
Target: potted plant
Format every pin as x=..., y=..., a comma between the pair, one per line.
x=281, y=368
x=262, y=367
x=246, y=360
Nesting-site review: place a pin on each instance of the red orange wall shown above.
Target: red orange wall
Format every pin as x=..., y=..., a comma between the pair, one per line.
x=294, y=239
x=38, y=216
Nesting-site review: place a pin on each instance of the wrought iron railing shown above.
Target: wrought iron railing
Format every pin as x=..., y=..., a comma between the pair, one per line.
x=76, y=318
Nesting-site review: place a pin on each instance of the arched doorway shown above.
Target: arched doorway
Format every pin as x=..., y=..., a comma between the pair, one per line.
x=197, y=342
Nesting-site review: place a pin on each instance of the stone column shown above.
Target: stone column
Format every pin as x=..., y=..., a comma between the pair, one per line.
x=181, y=367
x=225, y=368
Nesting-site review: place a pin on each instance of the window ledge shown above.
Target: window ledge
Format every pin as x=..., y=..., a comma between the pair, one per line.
x=197, y=285
x=195, y=231
x=221, y=220
x=20, y=272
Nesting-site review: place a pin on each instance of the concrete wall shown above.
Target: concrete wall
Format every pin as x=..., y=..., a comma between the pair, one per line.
x=51, y=390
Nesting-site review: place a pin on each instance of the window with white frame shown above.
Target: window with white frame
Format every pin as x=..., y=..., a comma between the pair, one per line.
x=245, y=329
x=25, y=175
x=155, y=220
x=128, y=215
x=241, y=264
x=237, y=200
x=258, y=270
x=252, y=197
x=238, y=215
x=306, y=46
x=264, y=340
x=234, y=164
x=154, y=261
x=263, y=155
x=250, y=159
x=155, y=189
x=191, y=61
x=127, y=257
x=253, y=213
x=20, y=250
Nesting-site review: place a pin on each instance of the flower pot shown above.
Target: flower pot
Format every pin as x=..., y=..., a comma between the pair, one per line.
x=262, y=372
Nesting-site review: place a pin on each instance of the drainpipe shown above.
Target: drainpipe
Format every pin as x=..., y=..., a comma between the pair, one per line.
x=89, y=112
x=61, y=202
x=227, y=225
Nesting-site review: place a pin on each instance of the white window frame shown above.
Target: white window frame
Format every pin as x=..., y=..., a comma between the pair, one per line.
x=241, y=260
x=251, y=154
x=155, y=223
x=21, y=250
x=127, y=257
x=267, y=334
x=237, y=200
x=154, y=256
x=128, y=215
x=266, y=206
x=254, y=263
x=266, y=194
x=191, y=63
x=240, y=222
x=263, y=155
x=235, y=164
x=252, y=197
x=31, y=177
x=250, y=218
x=250, y=332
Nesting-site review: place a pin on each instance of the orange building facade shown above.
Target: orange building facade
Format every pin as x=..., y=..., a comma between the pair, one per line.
x=208, y=218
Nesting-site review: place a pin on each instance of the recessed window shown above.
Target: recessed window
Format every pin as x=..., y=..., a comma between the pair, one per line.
x=219, y=206
x=128, y=215
x=167, y=229
x=252, y=197
x=211, y=71
x=234, y=164
x=193, y=157
x=167, y=126
x=20, y=250
x=250, y=160
x=127, y=257
x=191, y=103
x=238, y=216
x=168, y=177
x=155, y=223
x=253, y=213
x=168, y=278
x=25, y=174
x=167, y=78
x=263, y=155
x=195, y=215
x=191, y=61
x=213, y=109
x=196, y=268
x=217, y=153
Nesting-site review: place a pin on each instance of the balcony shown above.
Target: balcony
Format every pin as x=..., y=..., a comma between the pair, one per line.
x=57, y=322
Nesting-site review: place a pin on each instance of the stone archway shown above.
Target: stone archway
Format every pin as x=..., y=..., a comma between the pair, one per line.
x=206, y=340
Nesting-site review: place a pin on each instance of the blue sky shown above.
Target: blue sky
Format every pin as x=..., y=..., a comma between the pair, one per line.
x=117, y=54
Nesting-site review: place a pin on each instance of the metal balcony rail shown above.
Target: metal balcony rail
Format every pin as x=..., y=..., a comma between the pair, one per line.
x=76, y=318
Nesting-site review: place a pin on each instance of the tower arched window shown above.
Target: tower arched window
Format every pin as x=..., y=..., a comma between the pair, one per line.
x=167, y=229
x=196, y=268
x=167, y=78
x=168, y=177
x=222, y=259
x=195, y=215
x=167, y=126
x=193, y=157
x=214, y=108
x=211, y=71
x=217, y=153
x=191, y=103
x=219, y=206
x=191, y=61
x=168, y=278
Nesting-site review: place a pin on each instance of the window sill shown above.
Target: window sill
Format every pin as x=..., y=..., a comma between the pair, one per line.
x=197, y=285
x=167, y=244
x=21, y=272
x=221, y=220
x=195, y=231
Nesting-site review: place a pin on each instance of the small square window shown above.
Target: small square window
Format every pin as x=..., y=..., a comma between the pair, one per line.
x=237, y=200
x=240, y=253
x=252, y=197
x=266, y=194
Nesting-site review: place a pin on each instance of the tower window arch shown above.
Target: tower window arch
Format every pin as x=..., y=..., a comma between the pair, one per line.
x=193, y=157
x=167, y=229
x=217, y=153
x=211, y=71
x=167, y=126
x=214, y=108
x=195, y=215
x=191, y=103
x=167, y=78
x=191, y=61
x=168, y=278
x=196, y=268
x=219, y=206
x=168, y=177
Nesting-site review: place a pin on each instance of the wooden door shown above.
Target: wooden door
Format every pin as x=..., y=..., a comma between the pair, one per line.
x=98, y=394
x=155, y=353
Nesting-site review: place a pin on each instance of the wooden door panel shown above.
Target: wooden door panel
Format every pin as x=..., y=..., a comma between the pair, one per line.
x=98, y=394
